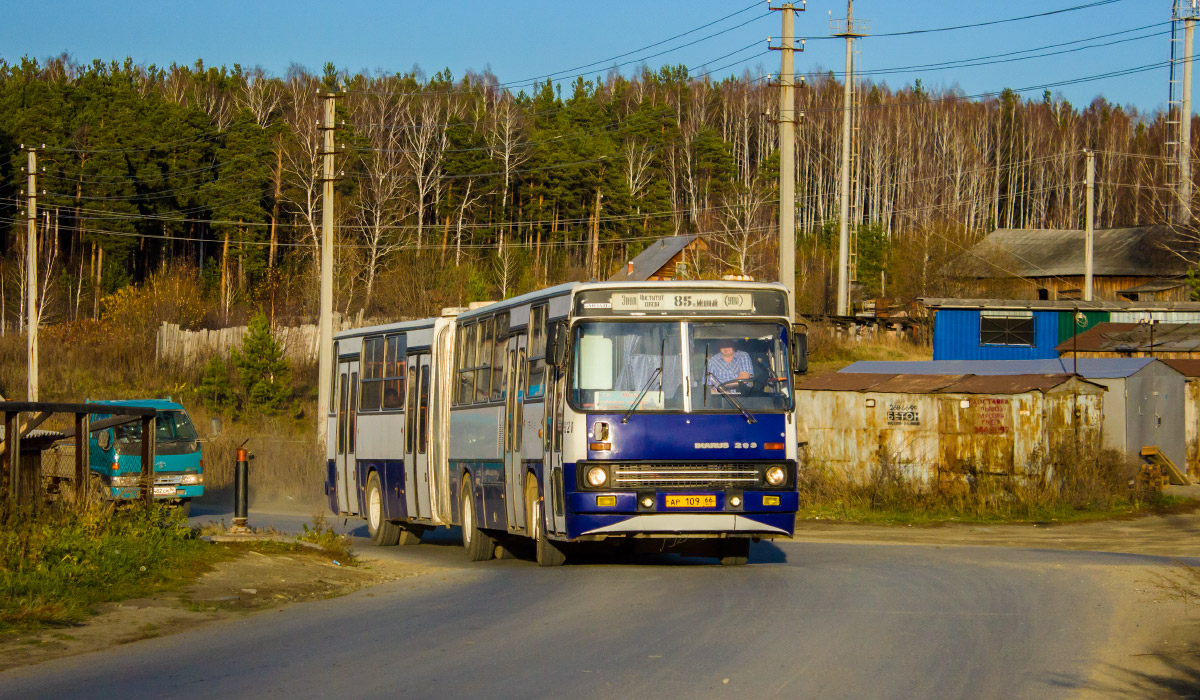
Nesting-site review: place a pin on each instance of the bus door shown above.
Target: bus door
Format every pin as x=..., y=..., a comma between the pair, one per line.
x=422, y=437
x=514, y=428
x=552, y=442
x=347, y=414
x=410, y=436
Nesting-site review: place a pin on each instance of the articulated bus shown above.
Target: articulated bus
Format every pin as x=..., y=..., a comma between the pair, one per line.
x=630, y=412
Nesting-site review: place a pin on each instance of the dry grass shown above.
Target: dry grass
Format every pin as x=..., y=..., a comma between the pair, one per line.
x=830, y=348
x=1068, y=486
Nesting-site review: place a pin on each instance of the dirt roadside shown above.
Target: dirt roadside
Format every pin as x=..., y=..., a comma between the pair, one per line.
x=250, y=583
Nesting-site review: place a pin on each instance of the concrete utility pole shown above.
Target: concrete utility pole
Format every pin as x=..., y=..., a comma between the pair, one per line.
x=31, y=284
x=1089, y=225
x=787, y=149
x=325, y=351
x=1185, y=121
x=850, y=32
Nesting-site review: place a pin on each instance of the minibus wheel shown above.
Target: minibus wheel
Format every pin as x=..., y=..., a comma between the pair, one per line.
x=383, y=533
x=479, y=545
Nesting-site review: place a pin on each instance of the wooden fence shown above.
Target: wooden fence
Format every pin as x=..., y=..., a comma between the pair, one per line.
x=299, y=343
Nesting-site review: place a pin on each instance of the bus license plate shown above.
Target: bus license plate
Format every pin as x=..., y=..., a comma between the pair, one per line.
x=164, y=490
x=707, y=501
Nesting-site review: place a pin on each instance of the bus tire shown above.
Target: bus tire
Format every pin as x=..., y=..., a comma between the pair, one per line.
x=383, y=533
x=734, y=551
x=185, y=507
x=479, y=545
x=548, y=554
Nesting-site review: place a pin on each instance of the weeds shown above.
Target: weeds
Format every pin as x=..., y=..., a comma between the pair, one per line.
x=1071, y=486
x=325, y=537
x=56, y=564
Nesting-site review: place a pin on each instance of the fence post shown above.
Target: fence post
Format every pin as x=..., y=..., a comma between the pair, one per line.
x=148, y=428
x=82, y=456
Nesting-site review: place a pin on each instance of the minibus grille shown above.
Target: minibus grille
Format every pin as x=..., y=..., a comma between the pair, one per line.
x=686, y=475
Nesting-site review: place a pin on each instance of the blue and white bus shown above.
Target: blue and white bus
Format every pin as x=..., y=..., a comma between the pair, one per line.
x=579, y=413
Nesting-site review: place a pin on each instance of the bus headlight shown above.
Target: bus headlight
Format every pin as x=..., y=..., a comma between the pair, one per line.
x=776, y=476
x=596, y=476
x=191, y=479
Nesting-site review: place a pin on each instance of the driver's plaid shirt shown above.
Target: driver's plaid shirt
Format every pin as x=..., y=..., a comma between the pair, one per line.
x=723, y=371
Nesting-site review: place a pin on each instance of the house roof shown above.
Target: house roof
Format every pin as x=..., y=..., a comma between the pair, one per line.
x=945, y=383
x=1188, y=368
x=1088, y=367
x=1136, y=337
x=652, y=259
x=1141, y=251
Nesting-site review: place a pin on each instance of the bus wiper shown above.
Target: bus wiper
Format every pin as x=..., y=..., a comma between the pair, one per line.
x=717, y=385
x=638, y=401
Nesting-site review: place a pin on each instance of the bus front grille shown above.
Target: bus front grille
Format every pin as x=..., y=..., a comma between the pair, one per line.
x=686, y=475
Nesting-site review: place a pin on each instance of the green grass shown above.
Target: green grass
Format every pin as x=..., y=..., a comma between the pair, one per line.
x=55, y=567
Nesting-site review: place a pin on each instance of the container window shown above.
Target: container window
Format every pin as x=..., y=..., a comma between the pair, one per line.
x=1014, y=328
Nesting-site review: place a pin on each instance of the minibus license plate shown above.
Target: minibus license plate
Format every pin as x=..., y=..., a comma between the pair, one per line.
x=706, y=501
x=164, y=490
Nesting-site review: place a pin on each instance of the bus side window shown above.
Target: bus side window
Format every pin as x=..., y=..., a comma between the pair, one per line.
x=499, y=366
x=372, y=374
x=467, y=365
x=394, y=373
x=483, y=360
x=423, y=412
x=343, y=404
x=536, y=375
x=333, y=385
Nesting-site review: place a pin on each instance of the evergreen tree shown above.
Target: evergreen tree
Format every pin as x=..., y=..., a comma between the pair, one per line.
x=215, y=388
x=263, y=371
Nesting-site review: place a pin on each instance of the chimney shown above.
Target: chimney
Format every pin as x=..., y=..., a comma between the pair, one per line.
x=629, y=268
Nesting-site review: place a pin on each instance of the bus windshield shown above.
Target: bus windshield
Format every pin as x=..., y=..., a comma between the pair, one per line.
x=615, y=361
x=170, y=426
x=738, y=366
x=733, y=366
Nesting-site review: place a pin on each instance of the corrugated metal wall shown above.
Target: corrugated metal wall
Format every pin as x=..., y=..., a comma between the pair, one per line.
x=956, y=337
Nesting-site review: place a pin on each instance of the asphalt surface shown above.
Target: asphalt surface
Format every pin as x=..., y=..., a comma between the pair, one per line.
x=802, y=620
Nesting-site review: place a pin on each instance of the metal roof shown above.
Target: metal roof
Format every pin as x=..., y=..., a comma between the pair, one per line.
x=653, y=258
x=1188, y=368
x=946, y=383
x=157, y=404
x=1060, y=305
x=1142, y=251
x=1088, y=367
x=1136, y=337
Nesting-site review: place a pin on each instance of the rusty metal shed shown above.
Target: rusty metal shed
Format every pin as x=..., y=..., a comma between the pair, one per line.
x=1144, y=405
x=1190, y=369
x=933, y=427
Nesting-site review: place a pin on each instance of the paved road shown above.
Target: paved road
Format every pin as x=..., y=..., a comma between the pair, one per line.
x=803, y=620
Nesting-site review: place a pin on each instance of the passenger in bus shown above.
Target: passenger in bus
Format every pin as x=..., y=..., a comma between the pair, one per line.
x=729, y=364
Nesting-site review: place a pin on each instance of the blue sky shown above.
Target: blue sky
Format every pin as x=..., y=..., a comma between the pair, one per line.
x=522, y=40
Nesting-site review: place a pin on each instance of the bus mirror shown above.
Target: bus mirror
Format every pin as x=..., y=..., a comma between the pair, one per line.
x=214, y=425
x=799, y=349
x=556, y=344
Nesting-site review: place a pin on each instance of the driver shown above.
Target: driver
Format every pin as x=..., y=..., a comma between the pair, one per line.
x=729, y=364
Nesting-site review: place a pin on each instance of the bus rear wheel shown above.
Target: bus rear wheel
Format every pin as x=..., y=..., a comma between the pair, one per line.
x=548, y=554
x=479, y=545
x=383, y=533
x=734, y=551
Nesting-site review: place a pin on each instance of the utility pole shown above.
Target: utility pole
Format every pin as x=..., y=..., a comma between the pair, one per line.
x=851, y=33
x=1185, y=121
x=1089, y=225
x=787, y=149
x=325, y=350
x=31, y=285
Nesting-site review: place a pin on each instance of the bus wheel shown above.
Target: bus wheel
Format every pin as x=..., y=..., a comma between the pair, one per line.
x=185, y=507
x=479, y=545
x=734, y=551
x=548, y=554
x=383, y=533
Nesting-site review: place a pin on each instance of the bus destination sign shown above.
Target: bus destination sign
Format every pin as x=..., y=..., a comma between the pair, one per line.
x=682, y=301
